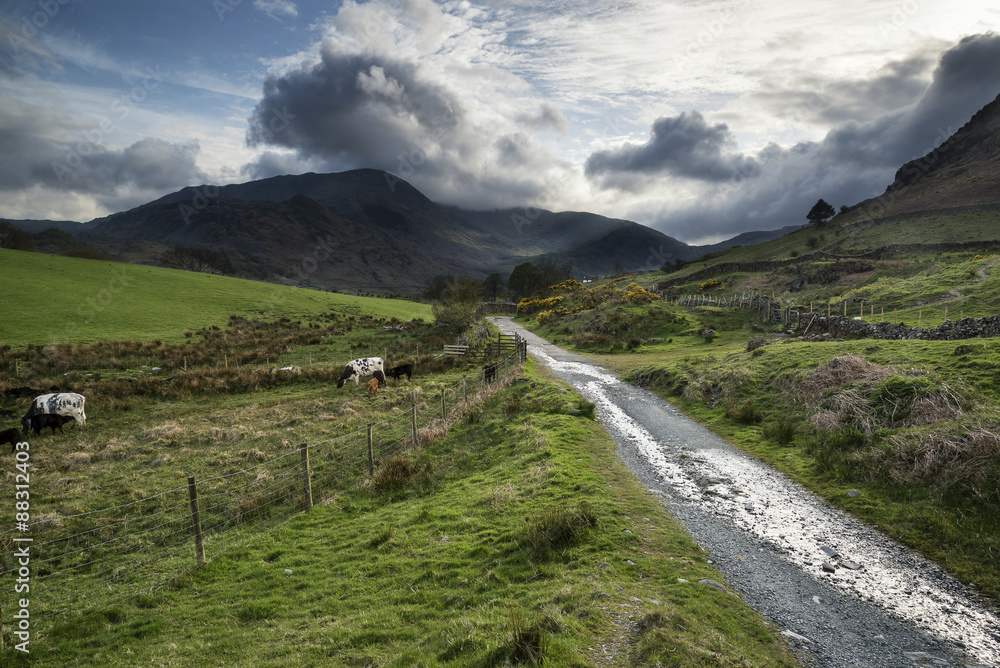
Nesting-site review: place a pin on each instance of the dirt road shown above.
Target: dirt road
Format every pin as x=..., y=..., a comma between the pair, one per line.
x=843, y=593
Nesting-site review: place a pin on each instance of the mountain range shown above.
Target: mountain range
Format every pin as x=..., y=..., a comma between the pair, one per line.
x=370, y=231
x=364, y=230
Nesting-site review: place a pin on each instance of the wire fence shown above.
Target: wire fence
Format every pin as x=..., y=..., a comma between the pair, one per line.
x=95, y=559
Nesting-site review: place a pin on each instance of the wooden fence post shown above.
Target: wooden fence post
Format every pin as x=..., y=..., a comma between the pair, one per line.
x=199, y=546
x=371, y=452
x=413, y=420
x=465, y=391
x=443, y=414
x=306, y=481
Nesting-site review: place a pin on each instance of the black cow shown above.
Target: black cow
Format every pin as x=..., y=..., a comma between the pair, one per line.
x=51, y=420
x=489, y=373
x=11, y=436
x=401, y=370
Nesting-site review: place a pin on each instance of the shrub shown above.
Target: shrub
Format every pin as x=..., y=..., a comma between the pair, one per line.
x=557, y=530
x=587, y=409
x=392, y=474
x=744, y=413
x=781, y=431
x=637, y=294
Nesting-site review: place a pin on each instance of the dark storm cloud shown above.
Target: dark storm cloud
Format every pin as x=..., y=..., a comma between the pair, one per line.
x=854, y=161
x=353, y=110
x=352, y=107
x=810, y=98
x=685, y=146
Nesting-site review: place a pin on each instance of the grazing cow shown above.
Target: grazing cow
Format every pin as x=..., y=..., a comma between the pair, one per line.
x=359, y=368
x=401, y=370
x=65, y=403
x=11, y=436
x=43, y=420
x=489, y=373
x=372, y=387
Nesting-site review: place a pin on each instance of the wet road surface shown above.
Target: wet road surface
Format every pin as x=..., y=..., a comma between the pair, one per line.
x=841, y=592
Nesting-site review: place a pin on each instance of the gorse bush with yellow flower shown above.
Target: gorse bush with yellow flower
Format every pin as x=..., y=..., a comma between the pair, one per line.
x=636, y=294
x=534, y=304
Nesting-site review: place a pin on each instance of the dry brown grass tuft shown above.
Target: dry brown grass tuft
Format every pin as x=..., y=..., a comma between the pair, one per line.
x=167, y=431
x=76, y=460
x=115, y=449
x=841, y=371
x=848, y=408
x=501, y=497
x=255, y=456
x=392, y=474
x=433, y=432
x=231, y=435
x=965, y=461
x=941, y=406
x=161, y=459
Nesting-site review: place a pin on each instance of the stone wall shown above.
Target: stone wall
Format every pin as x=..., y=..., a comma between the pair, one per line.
x=807, y=322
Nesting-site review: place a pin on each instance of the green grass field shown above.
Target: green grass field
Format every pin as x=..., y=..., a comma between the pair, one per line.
x=501, y=542
x=52, y=299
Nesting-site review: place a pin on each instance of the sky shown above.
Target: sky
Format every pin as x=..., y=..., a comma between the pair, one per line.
x=699, y=118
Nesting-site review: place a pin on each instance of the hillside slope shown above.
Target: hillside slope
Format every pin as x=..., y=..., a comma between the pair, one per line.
x=964, y=171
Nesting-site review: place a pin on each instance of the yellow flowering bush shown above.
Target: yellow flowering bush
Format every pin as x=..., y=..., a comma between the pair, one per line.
x=544, y=317
x=569, y=284
x=535, y=304
x=637, y=294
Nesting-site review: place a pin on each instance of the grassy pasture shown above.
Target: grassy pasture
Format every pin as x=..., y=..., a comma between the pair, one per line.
x=517, y=538
x=53, y=299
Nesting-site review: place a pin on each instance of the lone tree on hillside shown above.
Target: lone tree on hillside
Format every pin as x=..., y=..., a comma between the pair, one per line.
x=13, y=237
x=820, y=213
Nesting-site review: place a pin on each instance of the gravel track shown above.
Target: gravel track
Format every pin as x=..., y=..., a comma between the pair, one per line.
x=841, y=592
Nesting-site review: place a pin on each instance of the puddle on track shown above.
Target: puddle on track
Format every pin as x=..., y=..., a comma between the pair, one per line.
x=820, y=540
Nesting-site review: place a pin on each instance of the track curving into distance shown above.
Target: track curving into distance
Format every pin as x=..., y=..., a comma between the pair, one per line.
x=843, y=593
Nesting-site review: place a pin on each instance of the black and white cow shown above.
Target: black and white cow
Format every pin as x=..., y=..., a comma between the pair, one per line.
x=64, y=403
x=359, y=368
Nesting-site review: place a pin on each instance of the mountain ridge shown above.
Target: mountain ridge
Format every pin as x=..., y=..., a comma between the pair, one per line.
x=366, y=230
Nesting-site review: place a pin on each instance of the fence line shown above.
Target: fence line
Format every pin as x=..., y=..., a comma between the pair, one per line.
x=829, y=322
x=112, y=554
